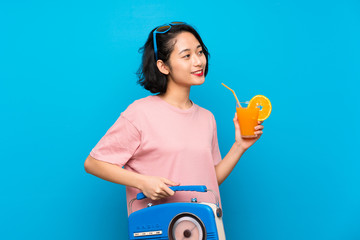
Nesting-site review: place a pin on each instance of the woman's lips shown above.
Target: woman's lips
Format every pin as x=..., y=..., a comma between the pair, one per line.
x=198, y=73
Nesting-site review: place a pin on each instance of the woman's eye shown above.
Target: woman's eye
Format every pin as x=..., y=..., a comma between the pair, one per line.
x=201, y=52
x=187, y=56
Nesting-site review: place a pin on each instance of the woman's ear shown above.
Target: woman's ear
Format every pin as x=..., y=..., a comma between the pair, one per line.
x=163, y=68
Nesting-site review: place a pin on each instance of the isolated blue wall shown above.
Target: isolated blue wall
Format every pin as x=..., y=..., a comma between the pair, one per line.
x=67, y=71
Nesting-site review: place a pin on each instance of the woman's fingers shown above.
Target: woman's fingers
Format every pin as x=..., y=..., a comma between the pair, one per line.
x=159, y=194
x=156, y=188
x=162, y=194
x=259, y=128
x=166, y=189
x=236, y=122
x=169, y=182
x=163, y=191
x=167, y=192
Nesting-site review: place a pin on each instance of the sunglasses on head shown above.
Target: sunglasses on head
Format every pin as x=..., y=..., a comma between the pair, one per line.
x=163, y=29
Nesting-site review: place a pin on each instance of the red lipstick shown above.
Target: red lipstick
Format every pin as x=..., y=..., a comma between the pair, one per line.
x=198, y=74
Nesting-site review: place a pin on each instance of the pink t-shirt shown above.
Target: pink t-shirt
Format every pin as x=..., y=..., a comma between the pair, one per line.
x=154, y=138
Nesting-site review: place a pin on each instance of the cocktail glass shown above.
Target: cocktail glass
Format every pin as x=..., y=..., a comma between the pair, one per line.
x=248, y=119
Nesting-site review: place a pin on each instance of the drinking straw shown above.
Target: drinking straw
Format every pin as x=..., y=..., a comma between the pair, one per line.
x=237, y=100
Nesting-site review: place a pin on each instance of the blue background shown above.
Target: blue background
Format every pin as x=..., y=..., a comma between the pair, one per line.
x=67, y=71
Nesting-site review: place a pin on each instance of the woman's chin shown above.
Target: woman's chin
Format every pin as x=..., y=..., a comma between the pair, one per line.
x=199, y=81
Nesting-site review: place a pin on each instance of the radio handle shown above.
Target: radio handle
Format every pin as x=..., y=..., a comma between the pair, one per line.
x=194, y=188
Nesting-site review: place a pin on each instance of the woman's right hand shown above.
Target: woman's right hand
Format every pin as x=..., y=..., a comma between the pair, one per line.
x=157, y=188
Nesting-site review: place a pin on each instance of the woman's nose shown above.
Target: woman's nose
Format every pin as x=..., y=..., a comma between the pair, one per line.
x=197, y=61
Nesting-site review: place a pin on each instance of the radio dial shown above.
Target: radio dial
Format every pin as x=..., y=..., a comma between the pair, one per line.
x=186, y=227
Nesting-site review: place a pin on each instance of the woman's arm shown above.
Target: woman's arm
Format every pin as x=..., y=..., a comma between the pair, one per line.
x=153, y=187
x=225, y=167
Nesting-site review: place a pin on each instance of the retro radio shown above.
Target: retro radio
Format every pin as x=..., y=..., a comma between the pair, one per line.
x=182, y=220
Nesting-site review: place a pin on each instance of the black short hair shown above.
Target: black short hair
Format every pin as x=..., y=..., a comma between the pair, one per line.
x=148, y=74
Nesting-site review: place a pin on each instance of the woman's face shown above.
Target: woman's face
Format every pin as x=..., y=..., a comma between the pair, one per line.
x=187, y=61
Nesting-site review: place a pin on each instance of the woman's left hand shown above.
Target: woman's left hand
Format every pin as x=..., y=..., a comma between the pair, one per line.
x=245, y=143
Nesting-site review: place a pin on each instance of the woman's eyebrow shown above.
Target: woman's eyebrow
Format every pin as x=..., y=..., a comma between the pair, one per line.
x=184, y=50
x=187, y=49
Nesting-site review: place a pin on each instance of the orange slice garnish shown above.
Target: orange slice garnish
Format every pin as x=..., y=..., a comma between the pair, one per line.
x=264, y=104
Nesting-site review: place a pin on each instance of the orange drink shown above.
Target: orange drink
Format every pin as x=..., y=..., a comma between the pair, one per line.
x=257, y=109
x=248, y=120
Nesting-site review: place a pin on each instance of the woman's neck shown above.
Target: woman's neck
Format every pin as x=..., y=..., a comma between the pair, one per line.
x=177, y=96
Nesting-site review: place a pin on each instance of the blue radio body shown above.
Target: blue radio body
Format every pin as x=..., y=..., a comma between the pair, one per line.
x=182, y=220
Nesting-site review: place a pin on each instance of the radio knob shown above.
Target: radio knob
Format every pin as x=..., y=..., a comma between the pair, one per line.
x=219, y=212
x=187, y=233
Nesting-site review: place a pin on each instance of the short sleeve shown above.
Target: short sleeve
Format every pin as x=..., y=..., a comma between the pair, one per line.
x=215, y=145
x=119, y=143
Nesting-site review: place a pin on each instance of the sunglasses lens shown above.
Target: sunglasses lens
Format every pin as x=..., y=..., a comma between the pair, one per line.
x=163, y=29
x=177, y=23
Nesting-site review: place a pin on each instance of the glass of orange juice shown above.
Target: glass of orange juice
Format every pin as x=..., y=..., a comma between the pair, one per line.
x=248, y=119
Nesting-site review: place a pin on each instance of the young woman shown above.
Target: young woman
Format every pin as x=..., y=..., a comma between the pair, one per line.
x=166, y=139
